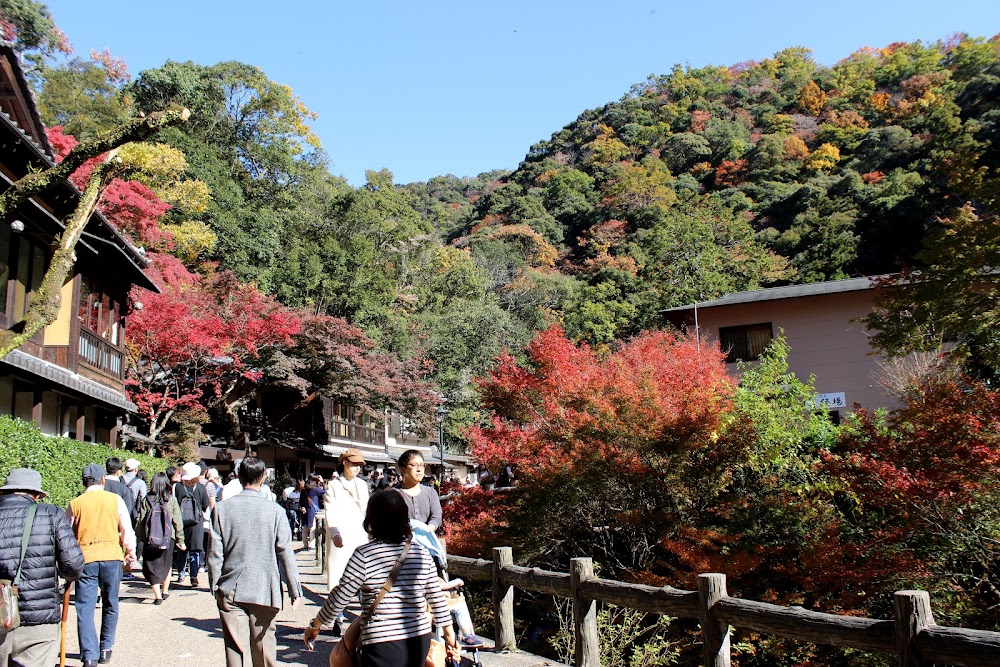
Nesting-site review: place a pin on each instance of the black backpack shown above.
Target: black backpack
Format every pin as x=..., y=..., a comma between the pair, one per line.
x=189, y=509
x=136, y=500
x=158, y=528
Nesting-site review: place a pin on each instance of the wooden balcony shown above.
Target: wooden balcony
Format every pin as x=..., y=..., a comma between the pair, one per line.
x=97, y=355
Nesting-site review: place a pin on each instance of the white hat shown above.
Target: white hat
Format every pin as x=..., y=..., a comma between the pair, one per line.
x=211, y=473
x=190, y=471
x=131, y=464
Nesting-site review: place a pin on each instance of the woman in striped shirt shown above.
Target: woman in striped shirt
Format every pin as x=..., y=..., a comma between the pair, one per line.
x=399, y=632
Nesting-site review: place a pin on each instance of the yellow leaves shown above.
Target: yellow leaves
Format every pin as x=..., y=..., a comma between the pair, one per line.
x=192, y=238
x=606, y=148
x=824, y=158
x=188, y=196
x=812, y=99
x=154, y=161
x=794, y=148
x=161, y=167
x=537, y=251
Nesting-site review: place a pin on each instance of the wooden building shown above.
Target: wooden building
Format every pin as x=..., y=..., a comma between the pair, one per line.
x=69, y=378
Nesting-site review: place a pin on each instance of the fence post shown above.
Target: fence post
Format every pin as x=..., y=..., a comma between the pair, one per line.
x=503, y=601
x=913, y=614
x=588, y=650
x=711, y=589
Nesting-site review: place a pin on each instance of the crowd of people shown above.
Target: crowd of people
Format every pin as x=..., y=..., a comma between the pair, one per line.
x=188, y=519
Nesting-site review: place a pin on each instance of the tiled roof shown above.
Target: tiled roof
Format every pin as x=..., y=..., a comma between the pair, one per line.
x=787, y=292
x=68, y=380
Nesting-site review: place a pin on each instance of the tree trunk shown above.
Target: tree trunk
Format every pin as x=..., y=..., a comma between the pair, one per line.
x=47, y=299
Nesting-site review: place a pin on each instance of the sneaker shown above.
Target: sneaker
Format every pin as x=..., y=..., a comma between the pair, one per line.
x=470, y=640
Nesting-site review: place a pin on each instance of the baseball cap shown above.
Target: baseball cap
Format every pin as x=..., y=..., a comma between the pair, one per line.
x=131, y=464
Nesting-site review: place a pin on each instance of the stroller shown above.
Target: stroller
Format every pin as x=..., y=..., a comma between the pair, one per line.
x=454, y=592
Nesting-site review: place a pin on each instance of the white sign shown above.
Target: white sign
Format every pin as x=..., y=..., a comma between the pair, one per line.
x=831, y=401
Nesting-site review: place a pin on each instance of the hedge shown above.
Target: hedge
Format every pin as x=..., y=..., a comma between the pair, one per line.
x=59, y=460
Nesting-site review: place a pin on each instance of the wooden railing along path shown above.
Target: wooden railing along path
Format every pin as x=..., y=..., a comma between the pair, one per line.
x=912, y=636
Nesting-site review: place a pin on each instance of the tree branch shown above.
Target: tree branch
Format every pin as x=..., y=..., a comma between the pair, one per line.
x=138, y=129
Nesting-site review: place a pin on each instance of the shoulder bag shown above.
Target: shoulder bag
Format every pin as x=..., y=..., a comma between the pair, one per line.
x=10, y=615
x=345, y=652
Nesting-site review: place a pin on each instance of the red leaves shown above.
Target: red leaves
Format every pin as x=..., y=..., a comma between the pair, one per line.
x=655, y=393
x=132, y=207
x=198, y=333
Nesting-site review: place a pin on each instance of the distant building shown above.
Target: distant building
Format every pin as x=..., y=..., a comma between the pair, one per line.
x=820, y=324
x=69, y=378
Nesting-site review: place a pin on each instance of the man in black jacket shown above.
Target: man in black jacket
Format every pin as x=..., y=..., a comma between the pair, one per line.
x=52, y=548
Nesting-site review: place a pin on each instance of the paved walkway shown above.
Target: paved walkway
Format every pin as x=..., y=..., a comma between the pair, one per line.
x=184, y=631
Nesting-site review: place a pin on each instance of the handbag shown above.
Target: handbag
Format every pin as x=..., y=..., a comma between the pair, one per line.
x=436, y=655
x=10, y=615
x=345, y=652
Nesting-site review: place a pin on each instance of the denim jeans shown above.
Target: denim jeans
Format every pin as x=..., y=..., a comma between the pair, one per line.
x=195, y=561
x=102, y=577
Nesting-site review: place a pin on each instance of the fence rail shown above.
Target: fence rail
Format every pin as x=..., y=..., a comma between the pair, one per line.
x=913, y=636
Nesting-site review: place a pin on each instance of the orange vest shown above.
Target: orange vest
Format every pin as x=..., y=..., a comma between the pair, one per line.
x=95, y=522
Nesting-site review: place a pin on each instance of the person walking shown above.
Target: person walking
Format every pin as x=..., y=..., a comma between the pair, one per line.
x=309, y=501
x=193, y=502
x=104, y=530
x=423, y=501
x=398, y=630
x=160, y=530
x=345, y=502
x=51, y=552
x=251, y=547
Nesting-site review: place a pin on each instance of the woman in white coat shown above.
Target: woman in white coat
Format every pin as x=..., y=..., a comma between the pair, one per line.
x=346, y=502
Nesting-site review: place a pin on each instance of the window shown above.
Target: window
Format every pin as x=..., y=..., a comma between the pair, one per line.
x=745, y=343
x=100, y=313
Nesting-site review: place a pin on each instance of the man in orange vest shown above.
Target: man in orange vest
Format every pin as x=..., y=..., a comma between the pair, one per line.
x=104, y=530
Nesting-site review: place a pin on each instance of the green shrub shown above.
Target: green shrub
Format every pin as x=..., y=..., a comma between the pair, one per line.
x=59, y=460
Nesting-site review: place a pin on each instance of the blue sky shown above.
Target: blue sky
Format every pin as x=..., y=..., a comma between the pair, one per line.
x=463, y=87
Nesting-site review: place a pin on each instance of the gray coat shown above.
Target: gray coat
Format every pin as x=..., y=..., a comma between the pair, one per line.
x=250, y=536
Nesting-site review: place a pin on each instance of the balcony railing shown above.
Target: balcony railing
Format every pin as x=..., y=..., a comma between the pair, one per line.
x=349, y=431
x=98, y=354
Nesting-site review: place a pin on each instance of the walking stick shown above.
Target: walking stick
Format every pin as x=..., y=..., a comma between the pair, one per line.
x=62, y=626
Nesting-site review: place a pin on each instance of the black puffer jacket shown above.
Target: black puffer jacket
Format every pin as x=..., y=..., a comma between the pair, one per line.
x=52, y=552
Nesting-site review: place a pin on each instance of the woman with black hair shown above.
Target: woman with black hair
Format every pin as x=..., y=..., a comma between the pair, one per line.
x=157, y=557
x=422, y=501
x=398, y=632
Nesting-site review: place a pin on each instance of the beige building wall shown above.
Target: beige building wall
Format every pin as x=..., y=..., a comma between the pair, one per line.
x=823, y=341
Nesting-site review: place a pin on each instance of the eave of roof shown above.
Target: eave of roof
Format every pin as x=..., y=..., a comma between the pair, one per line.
x=97, y=220
x=786, y=292
x=42, y=141
x=68, y=379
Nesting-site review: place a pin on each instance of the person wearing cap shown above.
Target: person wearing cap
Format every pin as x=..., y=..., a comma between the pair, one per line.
x=194, y=533
x=52, y=552
x=251, y=547
x=103, y=528
x=346, y=502
x=133, y=481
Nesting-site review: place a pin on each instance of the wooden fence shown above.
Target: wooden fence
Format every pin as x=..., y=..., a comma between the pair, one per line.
x=913, y=636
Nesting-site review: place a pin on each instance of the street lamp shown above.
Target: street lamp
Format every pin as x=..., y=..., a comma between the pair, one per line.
x=441, y=412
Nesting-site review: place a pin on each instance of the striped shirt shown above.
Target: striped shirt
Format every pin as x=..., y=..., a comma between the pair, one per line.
x=402, y=613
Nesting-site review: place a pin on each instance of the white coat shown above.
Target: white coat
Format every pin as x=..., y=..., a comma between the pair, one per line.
x=346, y=503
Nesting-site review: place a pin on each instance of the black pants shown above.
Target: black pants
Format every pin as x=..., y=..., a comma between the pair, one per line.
x=402, y=653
